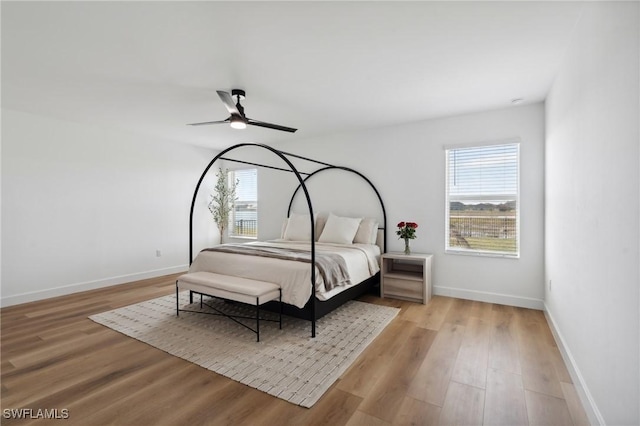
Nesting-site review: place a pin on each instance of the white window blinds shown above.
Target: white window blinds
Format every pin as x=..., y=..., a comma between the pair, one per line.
x=244, y=218
x=482, y=199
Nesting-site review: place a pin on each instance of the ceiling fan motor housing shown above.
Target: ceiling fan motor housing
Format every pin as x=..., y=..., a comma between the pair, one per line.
x=239, y=94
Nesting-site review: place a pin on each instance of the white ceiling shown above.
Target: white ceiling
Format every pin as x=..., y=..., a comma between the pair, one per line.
x=323, y=67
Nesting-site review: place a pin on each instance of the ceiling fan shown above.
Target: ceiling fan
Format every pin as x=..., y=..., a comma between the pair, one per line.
x=238, y=120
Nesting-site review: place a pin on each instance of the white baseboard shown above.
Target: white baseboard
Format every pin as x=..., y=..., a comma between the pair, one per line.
x=485, y=296
x=89, y=285
x=590, y=408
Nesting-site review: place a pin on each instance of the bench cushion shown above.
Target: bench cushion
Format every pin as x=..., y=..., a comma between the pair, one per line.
x=229, y=287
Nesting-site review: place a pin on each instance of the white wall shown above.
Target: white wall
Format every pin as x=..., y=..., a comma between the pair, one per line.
x=85, y=207
x=592, y=210
x=407, y=165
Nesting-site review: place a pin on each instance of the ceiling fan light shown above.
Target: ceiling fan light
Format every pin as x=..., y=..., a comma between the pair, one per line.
x=238, y=122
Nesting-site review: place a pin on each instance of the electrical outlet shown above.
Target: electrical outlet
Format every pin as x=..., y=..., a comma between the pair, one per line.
x=158, y=253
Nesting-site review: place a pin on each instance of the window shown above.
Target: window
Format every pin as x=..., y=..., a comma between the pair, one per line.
x=482, y=215
x=244, y=216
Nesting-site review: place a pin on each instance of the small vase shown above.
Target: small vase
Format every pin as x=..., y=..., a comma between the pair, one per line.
x=407, y=249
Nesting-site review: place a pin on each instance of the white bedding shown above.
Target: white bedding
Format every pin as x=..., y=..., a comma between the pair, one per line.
x=294, y=277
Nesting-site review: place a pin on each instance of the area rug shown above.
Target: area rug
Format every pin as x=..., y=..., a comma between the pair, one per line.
x=286, y=363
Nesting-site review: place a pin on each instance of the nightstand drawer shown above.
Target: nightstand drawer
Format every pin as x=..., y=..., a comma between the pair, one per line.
x=406, y=289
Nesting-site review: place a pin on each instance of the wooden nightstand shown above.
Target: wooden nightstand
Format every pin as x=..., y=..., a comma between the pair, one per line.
x=406, y=277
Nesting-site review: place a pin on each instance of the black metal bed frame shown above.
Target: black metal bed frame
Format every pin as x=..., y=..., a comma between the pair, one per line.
x=314, y=309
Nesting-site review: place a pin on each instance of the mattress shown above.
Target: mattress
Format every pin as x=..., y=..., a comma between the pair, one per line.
x=294, y=277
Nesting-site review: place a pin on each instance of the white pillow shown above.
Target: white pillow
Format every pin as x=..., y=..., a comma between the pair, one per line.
x=367, y=231
x=320, y=222
x=284, y=227
x=340, y=230
x=374, y=233
x=298, y=228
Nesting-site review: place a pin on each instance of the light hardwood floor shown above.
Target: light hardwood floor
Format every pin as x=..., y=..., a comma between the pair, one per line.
x=452, y=362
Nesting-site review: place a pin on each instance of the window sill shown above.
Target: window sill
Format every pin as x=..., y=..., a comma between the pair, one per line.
x=482, y=254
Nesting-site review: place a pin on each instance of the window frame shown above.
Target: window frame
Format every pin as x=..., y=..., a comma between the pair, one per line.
x=495, y=197
x=231, y=177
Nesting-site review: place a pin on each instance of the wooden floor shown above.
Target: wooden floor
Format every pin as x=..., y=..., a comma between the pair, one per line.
x=452, y=362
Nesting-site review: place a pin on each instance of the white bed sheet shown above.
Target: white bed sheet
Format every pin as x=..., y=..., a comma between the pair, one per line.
x=294, y=277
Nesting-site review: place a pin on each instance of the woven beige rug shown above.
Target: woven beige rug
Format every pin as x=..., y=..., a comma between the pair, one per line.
x=286, y=363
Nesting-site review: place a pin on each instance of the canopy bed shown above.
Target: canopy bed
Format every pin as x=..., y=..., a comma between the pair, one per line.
x=338, y=259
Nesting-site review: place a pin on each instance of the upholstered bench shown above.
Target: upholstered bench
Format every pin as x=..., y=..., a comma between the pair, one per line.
x=238, y=289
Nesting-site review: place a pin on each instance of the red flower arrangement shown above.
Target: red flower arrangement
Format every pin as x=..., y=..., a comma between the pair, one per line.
x=407, y=230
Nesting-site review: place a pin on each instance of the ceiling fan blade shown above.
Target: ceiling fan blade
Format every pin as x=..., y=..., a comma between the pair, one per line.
x=210, y=122
x=270, y=126
x=227, y=100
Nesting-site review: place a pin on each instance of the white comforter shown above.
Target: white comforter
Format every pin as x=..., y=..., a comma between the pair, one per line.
x=293, y=277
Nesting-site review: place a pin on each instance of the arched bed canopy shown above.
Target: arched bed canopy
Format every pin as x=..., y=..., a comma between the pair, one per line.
x=330, y=167
x=314, y=308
